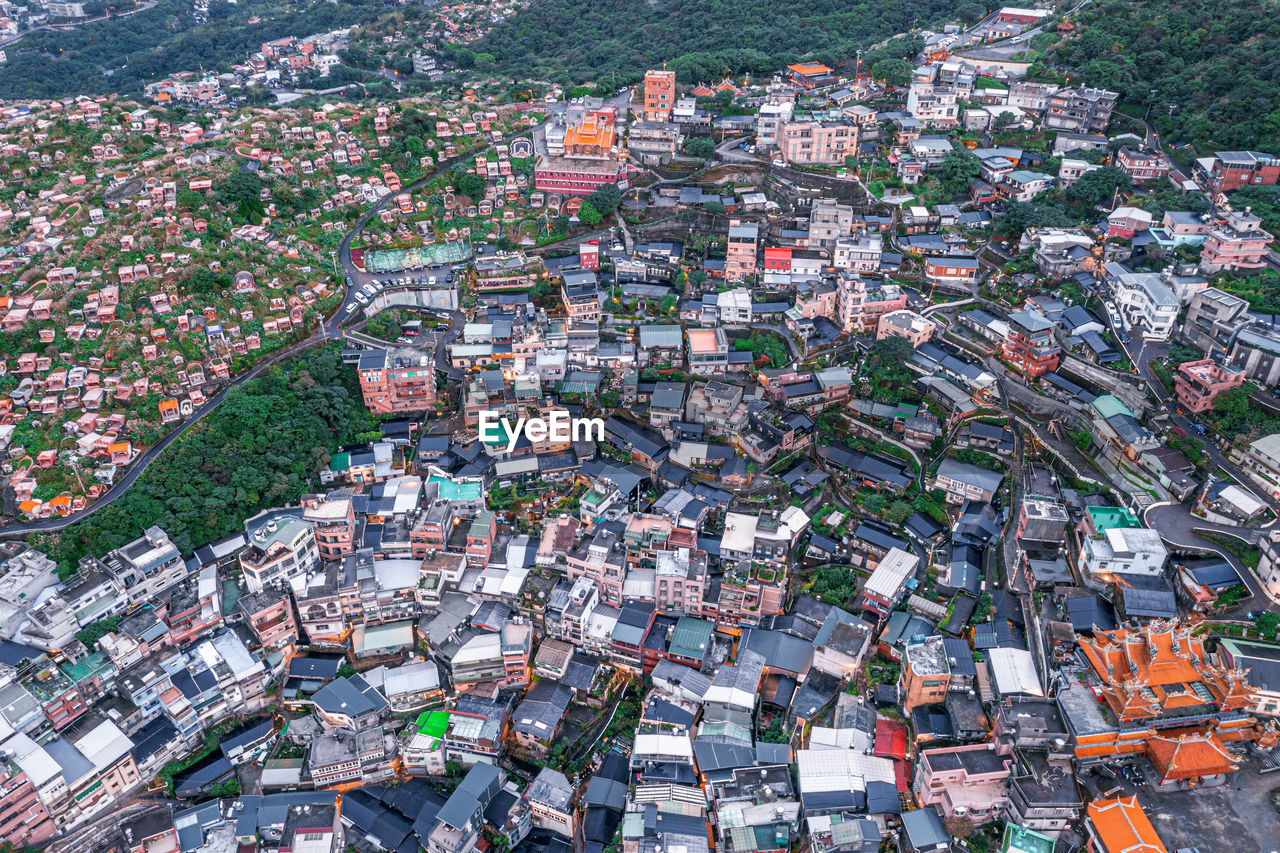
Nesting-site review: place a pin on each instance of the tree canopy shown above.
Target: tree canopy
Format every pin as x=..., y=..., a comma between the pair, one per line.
x=572, y=41
x=260, y=448
x=1214, y=66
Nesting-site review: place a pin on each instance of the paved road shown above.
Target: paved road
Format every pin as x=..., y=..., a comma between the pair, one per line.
x=1141, y=353
x=140, y=464
x=1178, y=527
x=329, y=331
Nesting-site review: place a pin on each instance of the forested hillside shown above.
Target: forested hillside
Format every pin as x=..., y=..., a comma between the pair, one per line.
x=1216, y=62
x=124, y=54
x=260, y=448
x=613, y=41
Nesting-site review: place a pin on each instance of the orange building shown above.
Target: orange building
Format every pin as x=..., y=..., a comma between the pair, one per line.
x=1192, y=758
x=593, y=137
x=1161, y=669
x=659, y=95
x=1121, y=826
x=1158, y=693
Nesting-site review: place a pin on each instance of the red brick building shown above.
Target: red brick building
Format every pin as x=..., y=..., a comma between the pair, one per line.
x=1232, y=170
x=1030, y=345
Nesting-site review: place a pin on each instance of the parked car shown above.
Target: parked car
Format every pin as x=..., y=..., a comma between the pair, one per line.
x=351, y=306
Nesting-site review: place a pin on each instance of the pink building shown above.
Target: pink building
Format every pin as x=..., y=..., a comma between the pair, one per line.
x=335, y=525
x=964, y=781
x=815, y=142
x=269, y=615
x=1199, y=383
x=740, y=255
x=1238, y=244
x=1142, y=165
x=905, y=324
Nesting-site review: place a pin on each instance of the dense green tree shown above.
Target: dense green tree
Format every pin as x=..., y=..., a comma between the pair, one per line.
x=262, y=447
x=1214, y=66
x=588, y=214
x=1097, y=187
x=957, y=169
x=606, y=198
x=894, y=72
x=698, y=147
x=701, y=40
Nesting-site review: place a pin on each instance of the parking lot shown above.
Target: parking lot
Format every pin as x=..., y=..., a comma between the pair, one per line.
x=1238, y=817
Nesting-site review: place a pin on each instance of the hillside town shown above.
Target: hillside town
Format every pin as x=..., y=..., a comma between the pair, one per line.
x=917, y=492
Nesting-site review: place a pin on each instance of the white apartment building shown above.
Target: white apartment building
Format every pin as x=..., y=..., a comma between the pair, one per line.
x=1147, y=304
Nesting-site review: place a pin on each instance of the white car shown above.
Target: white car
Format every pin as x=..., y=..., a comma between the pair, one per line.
x=362, y=299
x=351, y=306
x=368, y=290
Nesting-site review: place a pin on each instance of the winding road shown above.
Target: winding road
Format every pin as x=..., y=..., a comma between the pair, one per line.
x=140, y=464
x=330, y=330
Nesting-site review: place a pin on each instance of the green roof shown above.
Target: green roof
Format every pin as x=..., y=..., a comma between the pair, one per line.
x=1112, y=517
x=339, y=461
x=1019, y=839
x=691, y=638
x=1108, y=405
x=451, y=490
x=87, y=666
x=433, y=723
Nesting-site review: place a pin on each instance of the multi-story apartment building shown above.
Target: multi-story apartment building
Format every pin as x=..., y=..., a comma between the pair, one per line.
x=480, y=536
x=1198, y=383
x=1030, y=343
x=659, y=94
x=280, y=550
x=1213, y=319
x=395, y=381
x=24, y=819
x=602, y=558
x=708, y=351
x=1231, y=170
x=770, y=118
x=907, y=325
x=859, y=255
x=269, y=615
x=146, y=566
x=817, y=142
x=740, y=255
x=931, y=101
x=1142, y=165
x=1147, y=304
x=829, y=221
x=550, y=797
x=333, y=522
x=926, y=674
x=1080, y=110
x=581, y=295
x=1043, y=795
x=1112, y=543
x=859, y=307
x=964, y=781
x=1237, y=244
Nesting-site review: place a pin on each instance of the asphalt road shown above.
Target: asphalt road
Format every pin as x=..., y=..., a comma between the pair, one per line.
x=329, y=331
x=140, y=464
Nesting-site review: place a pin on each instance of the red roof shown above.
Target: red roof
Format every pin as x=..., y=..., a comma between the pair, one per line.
x=891, y=739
